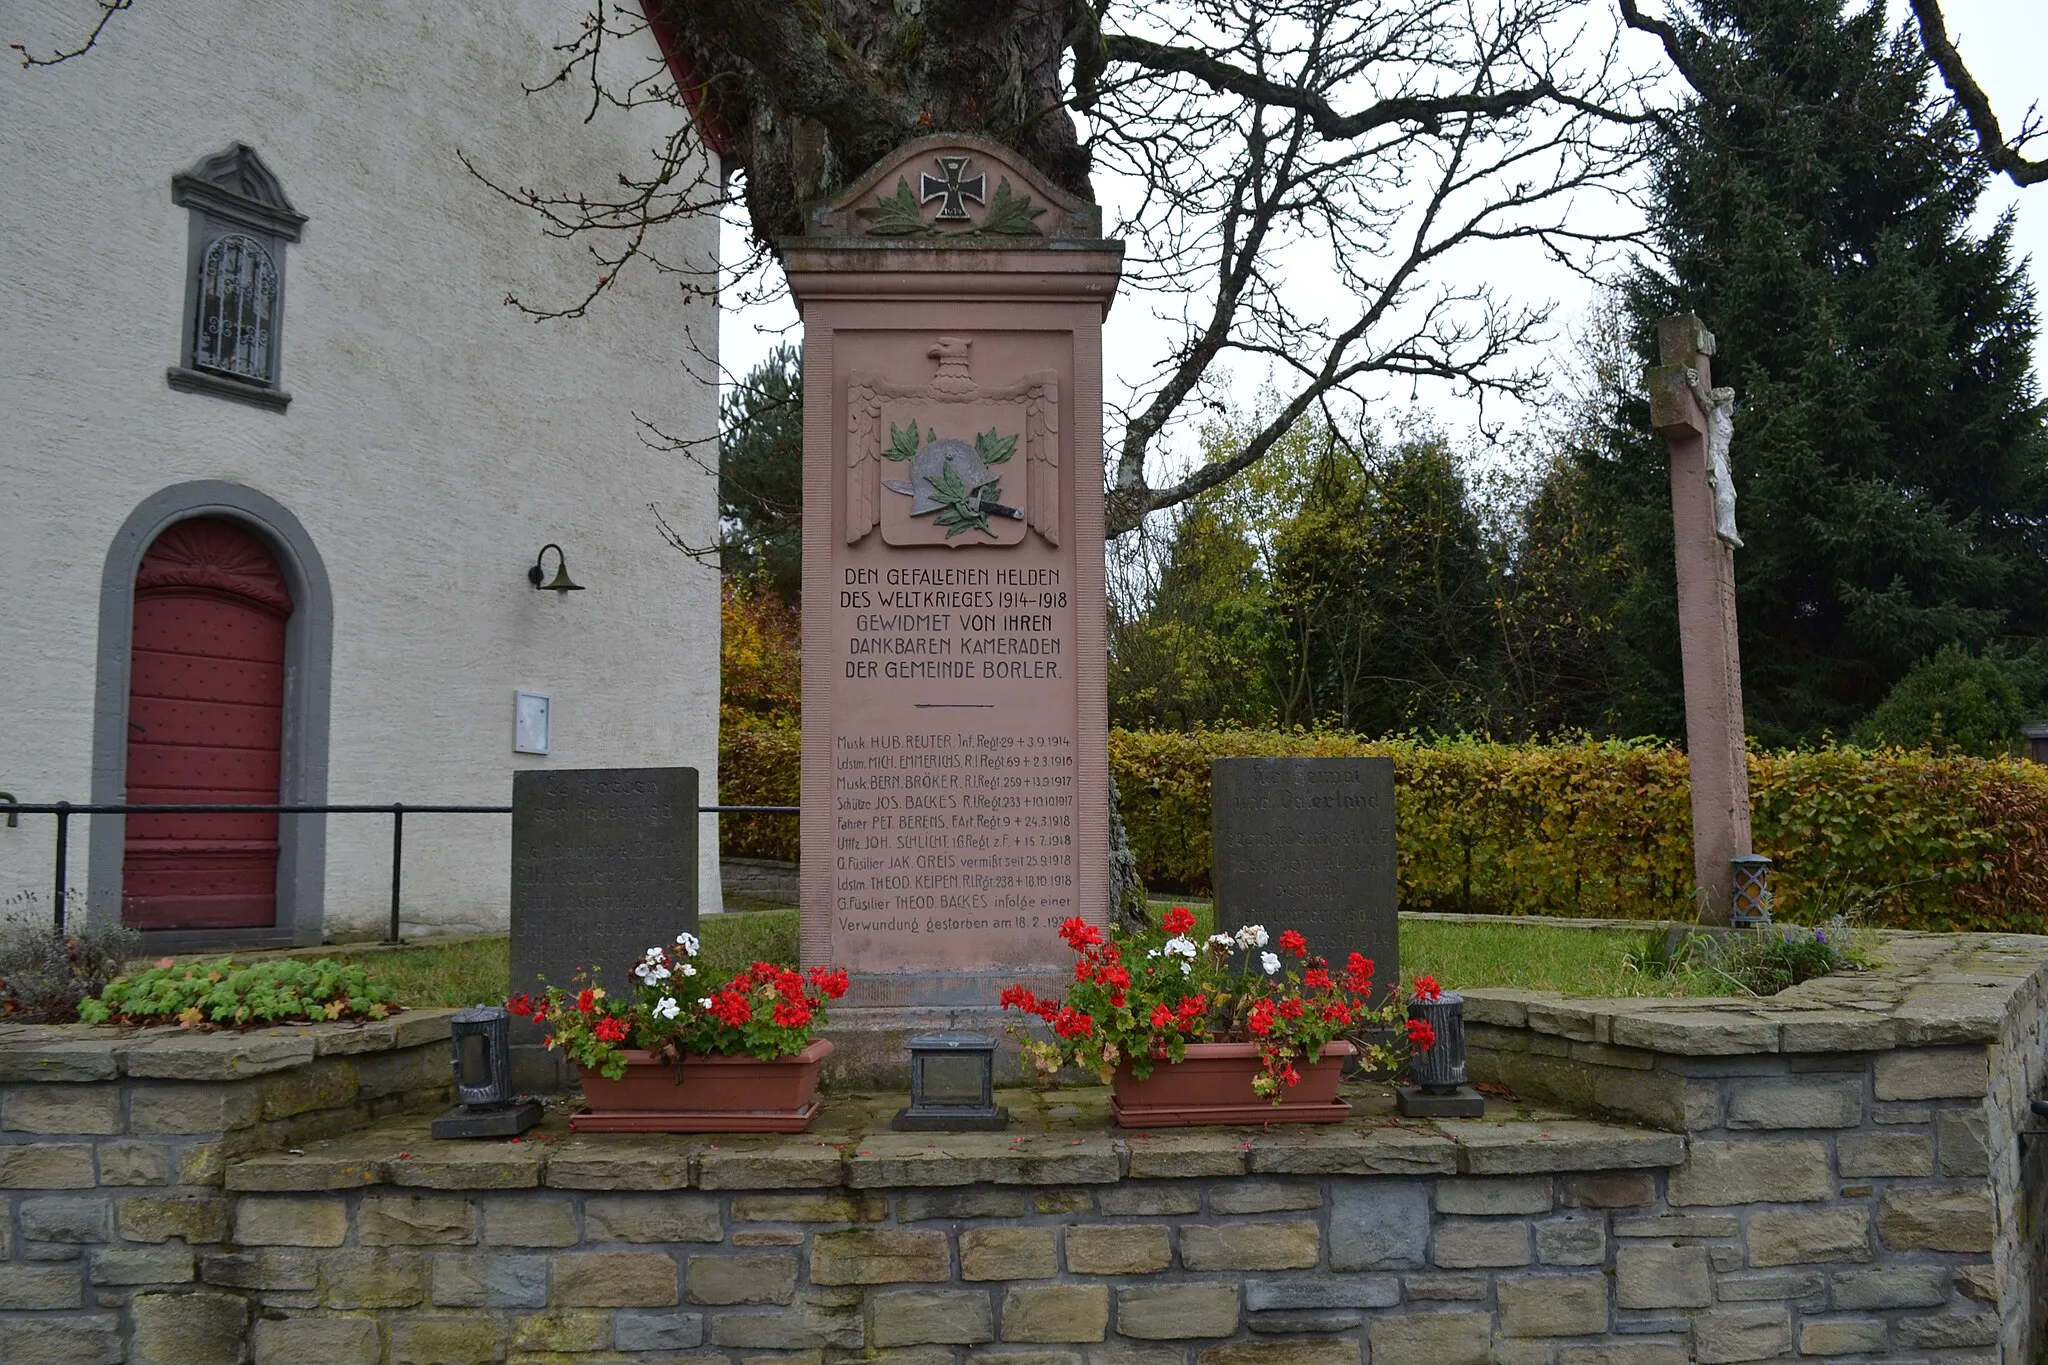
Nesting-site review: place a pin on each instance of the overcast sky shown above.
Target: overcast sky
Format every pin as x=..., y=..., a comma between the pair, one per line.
x=2002, y=40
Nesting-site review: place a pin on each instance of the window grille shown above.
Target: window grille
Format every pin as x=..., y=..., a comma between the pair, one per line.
x=237, y=299
x=235, y=288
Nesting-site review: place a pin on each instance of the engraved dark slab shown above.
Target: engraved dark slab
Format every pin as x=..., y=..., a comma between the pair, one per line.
x=1308, y=844
x=604, y=866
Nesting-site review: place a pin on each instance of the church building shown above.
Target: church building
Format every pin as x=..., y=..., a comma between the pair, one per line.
x=279, y=458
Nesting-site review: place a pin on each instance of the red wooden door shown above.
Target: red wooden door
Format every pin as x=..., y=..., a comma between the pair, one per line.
x=205, y=724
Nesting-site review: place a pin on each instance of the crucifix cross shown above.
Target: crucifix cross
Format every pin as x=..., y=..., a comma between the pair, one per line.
x=1695, y=418
x=952, y=188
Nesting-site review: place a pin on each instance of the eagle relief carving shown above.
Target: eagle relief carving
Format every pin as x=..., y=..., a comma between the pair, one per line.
x=950, y=462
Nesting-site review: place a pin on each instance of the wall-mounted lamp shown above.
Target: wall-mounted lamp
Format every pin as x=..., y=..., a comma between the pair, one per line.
x=561, y=582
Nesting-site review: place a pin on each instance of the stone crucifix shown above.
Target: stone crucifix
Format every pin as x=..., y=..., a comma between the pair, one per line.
x=1697, y=422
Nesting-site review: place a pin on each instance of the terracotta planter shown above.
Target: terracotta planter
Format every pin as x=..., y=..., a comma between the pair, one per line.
x=1214, y=1085
x=716, y=1095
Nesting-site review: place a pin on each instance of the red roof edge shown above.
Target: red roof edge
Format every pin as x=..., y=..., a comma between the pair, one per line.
x=717, y=134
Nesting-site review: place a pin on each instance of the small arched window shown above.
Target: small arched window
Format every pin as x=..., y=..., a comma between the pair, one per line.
x=234, y=293
x=237, y=309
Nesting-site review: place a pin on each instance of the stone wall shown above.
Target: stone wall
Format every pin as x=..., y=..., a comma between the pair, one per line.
x=97, y=1110
x=1533, y=1241
x=761, y=879
x=1817, y=1178
x=1896, y=1097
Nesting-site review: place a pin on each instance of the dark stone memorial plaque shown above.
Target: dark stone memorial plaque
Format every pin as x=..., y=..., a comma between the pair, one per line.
x=604, y=865
x=1308, y=844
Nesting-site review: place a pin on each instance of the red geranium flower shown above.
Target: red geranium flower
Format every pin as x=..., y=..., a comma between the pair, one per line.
x=1358, y=973
x=587, y=1001
x=1426, y=988
x=1316, y=978
x=1421, y=1036
x=610, y=1030
x=1260, y=1020
x=1079, y=934
x=520, y=1004
x=1162, y=1017
x=1179, y=920
x=1294, y=943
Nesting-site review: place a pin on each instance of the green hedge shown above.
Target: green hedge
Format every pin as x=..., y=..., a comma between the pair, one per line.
x=1902, y=839
x=759, y=767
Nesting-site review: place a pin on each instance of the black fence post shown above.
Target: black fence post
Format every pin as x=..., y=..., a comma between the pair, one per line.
x=397, y=862
x=63, y=857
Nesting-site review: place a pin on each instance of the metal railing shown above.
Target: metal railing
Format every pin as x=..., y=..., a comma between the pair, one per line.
x=397, y=810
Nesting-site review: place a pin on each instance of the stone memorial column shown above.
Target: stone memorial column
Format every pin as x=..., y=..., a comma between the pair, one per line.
x=955, y=765
x=1681, y=395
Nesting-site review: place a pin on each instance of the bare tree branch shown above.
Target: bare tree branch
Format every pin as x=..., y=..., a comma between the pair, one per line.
x=2004, y=157
x=108, y=9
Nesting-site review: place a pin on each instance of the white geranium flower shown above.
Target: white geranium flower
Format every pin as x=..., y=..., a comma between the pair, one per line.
x=667, y=1008
x=688, y=942
x=688, y=970
x=1271, y=962
x=1252, y=936
x=704, y=1002
x=1187, y=968
x=1223, y=940
x=1181, y=947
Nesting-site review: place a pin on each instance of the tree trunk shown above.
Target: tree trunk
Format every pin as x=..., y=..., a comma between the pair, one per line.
x=808, y=96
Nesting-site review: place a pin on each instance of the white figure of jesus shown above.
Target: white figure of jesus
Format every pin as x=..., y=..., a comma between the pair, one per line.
x=1719, y=405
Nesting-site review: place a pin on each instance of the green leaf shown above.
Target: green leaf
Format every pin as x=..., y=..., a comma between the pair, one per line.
x=994, y=449
x=902, y=444
x=897, y=216
x=1008, y=215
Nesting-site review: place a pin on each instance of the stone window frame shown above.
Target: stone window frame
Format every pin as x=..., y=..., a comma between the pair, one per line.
x=233, y=193
x=309, y=666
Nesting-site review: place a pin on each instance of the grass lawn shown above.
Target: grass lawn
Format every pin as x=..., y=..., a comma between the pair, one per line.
x=1510, y=953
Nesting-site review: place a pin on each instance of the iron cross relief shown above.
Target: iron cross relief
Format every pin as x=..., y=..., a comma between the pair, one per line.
x=954, y=187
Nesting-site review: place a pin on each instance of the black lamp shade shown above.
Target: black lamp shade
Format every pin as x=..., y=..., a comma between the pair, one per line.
x=1752, y=882
x=952, y=1084
x=481, y=1040
x=1440, y=1069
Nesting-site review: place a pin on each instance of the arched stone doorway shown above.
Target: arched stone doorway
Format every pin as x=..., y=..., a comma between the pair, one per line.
x=301, y=581
x=205, y=725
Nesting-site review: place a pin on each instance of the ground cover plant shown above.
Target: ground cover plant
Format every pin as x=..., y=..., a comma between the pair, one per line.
x=1760, y=961
x=45, y=972
x=224, y=993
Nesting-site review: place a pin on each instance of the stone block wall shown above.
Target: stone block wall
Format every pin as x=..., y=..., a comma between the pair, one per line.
x=1899, y=1097
x=82, y=1107
x=1523, y=1243
x=761, y=879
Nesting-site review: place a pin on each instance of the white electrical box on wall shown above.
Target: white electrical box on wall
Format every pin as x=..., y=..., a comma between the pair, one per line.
x=532, y=722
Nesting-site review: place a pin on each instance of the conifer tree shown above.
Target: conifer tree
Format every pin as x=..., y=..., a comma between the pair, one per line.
x=1890, y=453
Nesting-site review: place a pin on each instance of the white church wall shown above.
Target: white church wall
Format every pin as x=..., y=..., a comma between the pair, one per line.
x=435, y=439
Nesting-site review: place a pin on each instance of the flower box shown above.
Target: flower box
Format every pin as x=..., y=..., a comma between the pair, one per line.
x=1214, y=1085
x=705, y=1095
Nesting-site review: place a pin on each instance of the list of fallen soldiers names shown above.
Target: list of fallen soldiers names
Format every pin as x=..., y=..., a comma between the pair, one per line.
x=960, y=821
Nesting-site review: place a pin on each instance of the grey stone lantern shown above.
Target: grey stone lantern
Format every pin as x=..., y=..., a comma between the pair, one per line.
x=1439, y=1090
x=1752, y=882
x=480, y=1044
x=952, y=1085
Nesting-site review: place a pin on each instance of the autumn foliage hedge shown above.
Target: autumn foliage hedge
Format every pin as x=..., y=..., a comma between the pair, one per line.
x=1595, y=828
